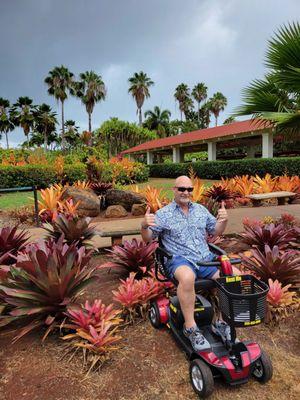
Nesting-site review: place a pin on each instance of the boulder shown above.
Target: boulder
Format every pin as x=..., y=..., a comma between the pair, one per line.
x=138, y=209
x=124, y=198
x=89, y=203
x=115, y=212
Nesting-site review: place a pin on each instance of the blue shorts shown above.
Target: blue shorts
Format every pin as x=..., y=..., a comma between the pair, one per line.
x=203, y=272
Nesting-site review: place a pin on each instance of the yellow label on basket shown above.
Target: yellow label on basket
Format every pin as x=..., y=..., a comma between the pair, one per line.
x=233, y=279
x=249, y=323
x=173, y=308
x=199, y=309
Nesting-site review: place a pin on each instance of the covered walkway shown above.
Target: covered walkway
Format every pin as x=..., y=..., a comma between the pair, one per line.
x=243, y=133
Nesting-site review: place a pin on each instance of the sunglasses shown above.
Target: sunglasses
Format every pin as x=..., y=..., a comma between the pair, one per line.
x=183, y=189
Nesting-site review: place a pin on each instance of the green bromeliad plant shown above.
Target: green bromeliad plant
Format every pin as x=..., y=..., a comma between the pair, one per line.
x=43, y=282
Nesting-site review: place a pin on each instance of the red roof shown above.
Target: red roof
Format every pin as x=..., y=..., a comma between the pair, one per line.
x=202, y=134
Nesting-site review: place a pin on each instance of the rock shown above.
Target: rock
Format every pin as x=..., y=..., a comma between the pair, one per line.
x=138, y=209
x=124, y=198
x=89, y=203
x=115, y=212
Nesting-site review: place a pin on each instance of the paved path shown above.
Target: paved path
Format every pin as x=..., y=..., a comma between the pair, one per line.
x=235, y=225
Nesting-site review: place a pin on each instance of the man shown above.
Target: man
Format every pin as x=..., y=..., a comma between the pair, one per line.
x=183, y=227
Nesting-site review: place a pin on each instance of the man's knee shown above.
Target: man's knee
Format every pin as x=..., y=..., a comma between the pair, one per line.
x=185, y=277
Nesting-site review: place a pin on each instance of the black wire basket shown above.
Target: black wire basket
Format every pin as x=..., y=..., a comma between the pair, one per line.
x=242, y=300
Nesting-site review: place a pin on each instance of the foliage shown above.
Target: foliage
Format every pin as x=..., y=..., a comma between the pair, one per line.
x=230, y=168
x=22, y=214
x=265, y=184
x=155, y=198
x=50, y=201
x=212, y=206
x=269, y=234
x=274, y=264
x=135, y=295
x=45, y=280
x=100, y=188
x=281, y=301
x=74, y=230
x=219, y=193
x=12, y=240
x=158, y=120
x=95, y=327
x=139, y=89
x=133, y=256
x=82, y=184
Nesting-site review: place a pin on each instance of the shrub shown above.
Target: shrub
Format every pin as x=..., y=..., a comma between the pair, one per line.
x=229, y=169
x=133, y=256
x=273, y=264
x=45, y=280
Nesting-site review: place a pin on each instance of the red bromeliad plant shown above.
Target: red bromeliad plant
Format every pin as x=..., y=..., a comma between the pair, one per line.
x=219, y=193
x=135, y=295
x=11, y=241
x=133, y=256
x=95, y=328
x=281, y=301
x=271, y=235
x=274, y=264
x=45, y=279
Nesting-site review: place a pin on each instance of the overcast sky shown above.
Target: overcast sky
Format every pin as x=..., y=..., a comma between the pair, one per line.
x=219, y=42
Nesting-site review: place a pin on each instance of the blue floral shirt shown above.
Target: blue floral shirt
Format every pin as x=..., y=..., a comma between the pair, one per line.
x=185, y=235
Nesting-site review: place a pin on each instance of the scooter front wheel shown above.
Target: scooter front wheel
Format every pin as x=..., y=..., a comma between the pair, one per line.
x=201, y=378
x=154, y=316
x=263, y=369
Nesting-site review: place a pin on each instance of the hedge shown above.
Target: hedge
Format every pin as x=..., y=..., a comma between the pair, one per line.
x=39, y=175
x=229, y=169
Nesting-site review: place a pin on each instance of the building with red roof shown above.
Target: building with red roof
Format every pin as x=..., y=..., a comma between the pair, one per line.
x=249, y=133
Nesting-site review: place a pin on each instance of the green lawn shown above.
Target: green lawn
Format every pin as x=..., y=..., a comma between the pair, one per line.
x=19, y=199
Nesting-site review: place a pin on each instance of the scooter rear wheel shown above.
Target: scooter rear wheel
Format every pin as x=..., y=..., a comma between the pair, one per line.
x=154, y=316
x=201, y=378
x=263, y=369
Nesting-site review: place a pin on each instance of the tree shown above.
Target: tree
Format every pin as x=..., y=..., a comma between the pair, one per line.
x=45, y=122
x=22, y=114
x=6, y=124
x=217, y=104
x=158, y=120
x=199, y=93
x=139, y=89
x=276, y=98
x=90, y=89
x=182, y=95
x=60, y=81
x=72, y=135
x=229, y=120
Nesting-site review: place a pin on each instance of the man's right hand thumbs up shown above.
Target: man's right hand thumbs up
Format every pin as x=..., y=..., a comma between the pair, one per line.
x=149, y=219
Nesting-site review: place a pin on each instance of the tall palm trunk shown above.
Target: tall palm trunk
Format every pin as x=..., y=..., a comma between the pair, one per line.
x=62, y=125
x=140, y=116
x=7, y=146
x=90, y=121
x=198, y=113
x=216, y=120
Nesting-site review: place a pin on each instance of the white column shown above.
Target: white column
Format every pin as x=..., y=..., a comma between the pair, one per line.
x=267, y=145
x=149, y=157
x=212, y=151
x=176, y=155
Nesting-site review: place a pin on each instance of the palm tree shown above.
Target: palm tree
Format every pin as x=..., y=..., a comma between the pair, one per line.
x=90, y=89
x=158, y=120
x=22, y=114
x=45, y=122
x=72, y=133
x=199, y=93
x=60, y=81
x=217, y=104
x=182, y=95
x=276, y=98
x=6, y=124
x=229, y=120
x=139, y=89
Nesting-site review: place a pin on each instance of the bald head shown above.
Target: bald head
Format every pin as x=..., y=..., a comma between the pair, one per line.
x=183, y=181
x=181, y=195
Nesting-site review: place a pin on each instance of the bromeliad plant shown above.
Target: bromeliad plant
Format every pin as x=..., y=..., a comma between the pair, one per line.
x=11, y=241
x=44, y=281
x=134, y=295
x=95, y=327
x=134, y=256
x=219, y=193
x=75, y=230
x=271, y=235
x=271, y=263
x=281, y=301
